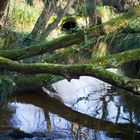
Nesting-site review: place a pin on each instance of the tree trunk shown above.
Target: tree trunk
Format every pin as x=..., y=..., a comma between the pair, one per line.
x=36, y=82
x=40, y=25
x=91, y=12
x=60, y=13
x=73, y=71
x=115, y=60
x=3, y=5
x=26, y=83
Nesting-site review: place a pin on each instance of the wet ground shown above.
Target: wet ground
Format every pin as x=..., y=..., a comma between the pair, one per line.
x=84, y=109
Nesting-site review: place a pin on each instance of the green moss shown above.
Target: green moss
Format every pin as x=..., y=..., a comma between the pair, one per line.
x=35, y=82
x=133, y=26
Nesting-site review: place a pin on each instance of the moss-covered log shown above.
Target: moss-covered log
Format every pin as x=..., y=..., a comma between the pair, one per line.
x=115, y=60
x=69, y=40
x=26, y=83
x=50, y=46
x=109, y=61
x=27, y=52
x=73, y=71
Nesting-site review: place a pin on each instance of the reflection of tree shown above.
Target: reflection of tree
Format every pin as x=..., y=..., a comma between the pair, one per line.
x=6, y=113
x=99, y=105
x=56, y=107
x=78, y=133
x=118, y=113
x=47, y=117
x=131, y=105
x=104, y=109
x=38, y=116
x=79, y=121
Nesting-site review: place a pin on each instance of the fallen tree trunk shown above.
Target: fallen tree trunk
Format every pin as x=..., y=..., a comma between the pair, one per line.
x=36, y=82
x=109, y=61
x=61, y=42
x=115, y=60
x=73, y=71
x=69, y=40
x=26, y=83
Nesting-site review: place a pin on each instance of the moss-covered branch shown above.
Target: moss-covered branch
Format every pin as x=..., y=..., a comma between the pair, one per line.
x=69, y=40
x=58, y=43
x=109, y=61
x=73, y=71
x=27, y=52
x=115, y=60
x=25, y=83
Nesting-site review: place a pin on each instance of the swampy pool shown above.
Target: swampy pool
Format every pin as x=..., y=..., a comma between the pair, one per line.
x=84, y=109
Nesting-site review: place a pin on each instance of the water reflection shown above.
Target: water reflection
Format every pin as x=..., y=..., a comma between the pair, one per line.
x=6, y=113
x=28, y=117
x=103, y=112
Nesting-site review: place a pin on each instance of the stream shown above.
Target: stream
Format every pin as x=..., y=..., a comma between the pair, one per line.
x=83, y=109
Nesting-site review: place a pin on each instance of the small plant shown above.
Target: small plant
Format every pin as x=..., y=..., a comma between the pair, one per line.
x=6, y=86
x=134, y=26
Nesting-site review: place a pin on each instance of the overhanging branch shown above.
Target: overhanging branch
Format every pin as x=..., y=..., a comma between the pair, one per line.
x=73, y=71
x=115, y=60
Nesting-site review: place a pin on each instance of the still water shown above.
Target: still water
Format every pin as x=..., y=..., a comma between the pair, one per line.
x=83, y=109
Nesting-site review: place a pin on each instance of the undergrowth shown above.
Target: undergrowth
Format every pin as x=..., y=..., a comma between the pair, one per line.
x=6, y=86
x=22, y=16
